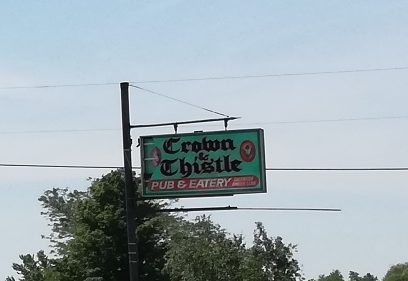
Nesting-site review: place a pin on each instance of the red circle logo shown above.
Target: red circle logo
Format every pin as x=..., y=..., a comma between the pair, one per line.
x=247, y=151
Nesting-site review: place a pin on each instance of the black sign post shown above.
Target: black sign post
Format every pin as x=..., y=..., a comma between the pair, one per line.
x=130, y=192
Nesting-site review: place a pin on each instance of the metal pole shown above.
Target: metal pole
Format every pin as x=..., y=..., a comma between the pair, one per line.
x=130, y=192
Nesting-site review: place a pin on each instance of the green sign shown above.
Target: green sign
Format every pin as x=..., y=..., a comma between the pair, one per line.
x=203, y=164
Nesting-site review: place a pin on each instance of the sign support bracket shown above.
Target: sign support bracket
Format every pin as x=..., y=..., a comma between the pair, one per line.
x=176, y=124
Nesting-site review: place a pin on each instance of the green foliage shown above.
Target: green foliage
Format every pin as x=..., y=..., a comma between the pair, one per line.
x=202, y=251
x=89, y=235
x=217, y=256
x=96, y=233
x=270, y=259
x=369, y=277
x=89, y=243
x=60, y=209
x=34, y=268
x=398, y=272
x=354, y=276
x=333, y=276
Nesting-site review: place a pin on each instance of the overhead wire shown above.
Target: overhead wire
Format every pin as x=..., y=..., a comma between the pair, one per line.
x=57, y=86
x=179, y=100
x=275, y=75
x=210, y=78
x=10, y=165
x=329, y=120
x=351, y=119
x=57, y=131
x=341, y=169
x=58, y=166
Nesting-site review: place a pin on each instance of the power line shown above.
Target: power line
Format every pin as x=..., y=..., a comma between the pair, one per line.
x=179, y=100
x=267, y=169
x=57, y=131
x=341, y=169
x=58, y=86
x=240, y=124
x=329, y=120
x=289, y=74
x=351, y=119
x=275, y=75
x=59, y=166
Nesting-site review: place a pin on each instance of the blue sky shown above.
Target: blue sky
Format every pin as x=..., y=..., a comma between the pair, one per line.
x=49, y=42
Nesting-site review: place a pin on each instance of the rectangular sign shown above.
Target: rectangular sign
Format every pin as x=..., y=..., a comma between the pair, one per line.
x=203, y=164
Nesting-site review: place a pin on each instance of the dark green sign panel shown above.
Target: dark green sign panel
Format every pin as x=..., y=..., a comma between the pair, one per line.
x=203, y=164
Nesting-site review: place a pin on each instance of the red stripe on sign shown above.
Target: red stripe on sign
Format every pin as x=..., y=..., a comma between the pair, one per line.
x=204, y=184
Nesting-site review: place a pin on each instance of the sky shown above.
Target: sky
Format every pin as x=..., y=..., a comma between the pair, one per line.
x=79, y=42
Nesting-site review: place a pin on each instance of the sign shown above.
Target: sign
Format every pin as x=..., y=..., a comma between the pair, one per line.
x=203, y=164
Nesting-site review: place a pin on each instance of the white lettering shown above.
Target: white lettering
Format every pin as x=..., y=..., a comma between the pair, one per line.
x=155, y=185
x=213, y=183
x=170, y=185
x=220, y=182
x=193, y=184
x=181, y=184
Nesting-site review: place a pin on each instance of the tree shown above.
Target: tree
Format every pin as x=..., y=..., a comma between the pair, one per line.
x=369, y=277
x=89, y=243
x=202, y=251
x=398, y=272
x=333, y=276
x=89, y=234
x=354, y=276
x=35, y=268
x=270, y=259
